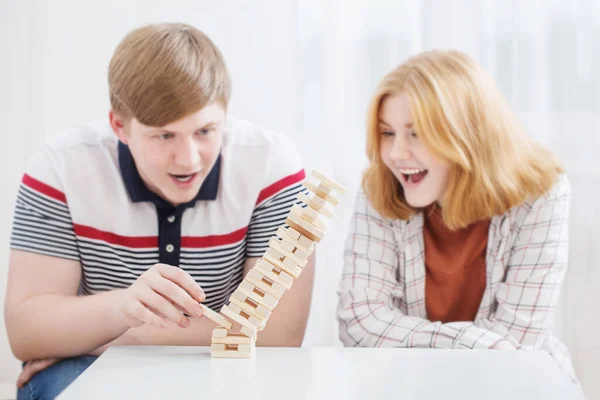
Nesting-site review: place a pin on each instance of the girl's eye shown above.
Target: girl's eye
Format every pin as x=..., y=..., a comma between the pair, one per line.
x=387, y=133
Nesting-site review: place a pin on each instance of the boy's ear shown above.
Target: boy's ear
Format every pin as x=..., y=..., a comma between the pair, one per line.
x=117, y=124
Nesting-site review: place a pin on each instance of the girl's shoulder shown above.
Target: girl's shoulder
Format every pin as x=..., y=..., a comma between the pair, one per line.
x=554, y=202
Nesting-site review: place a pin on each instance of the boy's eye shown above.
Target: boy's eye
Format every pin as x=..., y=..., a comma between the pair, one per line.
x=165, y=136
x=205, y=131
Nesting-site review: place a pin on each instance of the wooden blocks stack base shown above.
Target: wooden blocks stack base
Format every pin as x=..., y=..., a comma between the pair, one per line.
x=287, y=255
x=231, y=345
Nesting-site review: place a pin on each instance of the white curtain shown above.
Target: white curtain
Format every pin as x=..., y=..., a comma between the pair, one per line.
x=307, y=68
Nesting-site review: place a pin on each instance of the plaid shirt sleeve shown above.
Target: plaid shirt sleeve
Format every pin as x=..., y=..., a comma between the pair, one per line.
x=370, y=290
x=537, y=262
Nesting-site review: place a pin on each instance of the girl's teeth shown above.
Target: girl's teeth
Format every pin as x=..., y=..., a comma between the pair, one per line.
x=411, y=171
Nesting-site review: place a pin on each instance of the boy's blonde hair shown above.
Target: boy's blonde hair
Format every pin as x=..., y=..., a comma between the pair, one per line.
x=160, y=73
x=463, y=120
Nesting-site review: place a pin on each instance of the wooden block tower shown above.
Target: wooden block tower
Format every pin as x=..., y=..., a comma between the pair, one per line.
x=253, y=301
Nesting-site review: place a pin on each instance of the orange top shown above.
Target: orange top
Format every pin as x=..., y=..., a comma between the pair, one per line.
x=455, y=265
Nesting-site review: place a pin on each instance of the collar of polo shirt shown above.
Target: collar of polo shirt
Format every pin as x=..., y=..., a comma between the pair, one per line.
x=138, y=192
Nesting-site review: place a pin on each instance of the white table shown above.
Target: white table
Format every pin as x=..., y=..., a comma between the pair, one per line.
x=322, y=373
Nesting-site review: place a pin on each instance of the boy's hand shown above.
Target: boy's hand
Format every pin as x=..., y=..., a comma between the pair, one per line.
x=160, y=294
x=33, y=367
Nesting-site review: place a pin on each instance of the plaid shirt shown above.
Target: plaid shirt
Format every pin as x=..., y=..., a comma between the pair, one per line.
x=382, y=292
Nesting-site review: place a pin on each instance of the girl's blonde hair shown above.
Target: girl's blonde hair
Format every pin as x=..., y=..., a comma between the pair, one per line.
x=464, y=121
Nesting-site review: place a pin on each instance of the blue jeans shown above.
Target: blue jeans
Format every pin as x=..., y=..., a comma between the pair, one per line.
x=50, y=382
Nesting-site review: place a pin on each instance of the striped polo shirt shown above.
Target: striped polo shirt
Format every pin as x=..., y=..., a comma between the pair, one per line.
x=81, y=198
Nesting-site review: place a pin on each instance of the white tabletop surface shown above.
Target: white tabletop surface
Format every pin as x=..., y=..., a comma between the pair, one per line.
x=322, y=373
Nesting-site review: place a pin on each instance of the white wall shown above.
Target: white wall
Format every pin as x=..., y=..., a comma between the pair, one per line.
x=307, y=68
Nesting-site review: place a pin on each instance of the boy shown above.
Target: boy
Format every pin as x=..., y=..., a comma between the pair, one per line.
x=122, y=227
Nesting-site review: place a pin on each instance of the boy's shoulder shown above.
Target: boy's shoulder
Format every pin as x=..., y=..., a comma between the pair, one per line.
x=97, y=133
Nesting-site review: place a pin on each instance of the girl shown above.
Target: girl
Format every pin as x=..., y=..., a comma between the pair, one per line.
x=459, y=237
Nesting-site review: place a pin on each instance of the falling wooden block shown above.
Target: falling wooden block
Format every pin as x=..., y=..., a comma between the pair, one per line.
x=241, y=317
x=322, y=191
x=305, y=228
x=260, y=290
x=329, y=182
x=275, y=274
x=316, y=203
x=309, y=215
x=248, y=332
x=258, y=295
x=219, y=319
x=250, y=306
x=292, y=233
x=286, y=246
x=283, y=233
x=304, y=241
x=277, y=259
x=259, y=280
x=283, y=248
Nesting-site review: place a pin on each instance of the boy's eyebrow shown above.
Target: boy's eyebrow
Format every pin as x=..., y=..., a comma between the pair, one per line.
x=206, y=125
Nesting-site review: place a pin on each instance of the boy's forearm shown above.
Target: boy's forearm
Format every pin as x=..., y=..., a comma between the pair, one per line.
x=51, y=325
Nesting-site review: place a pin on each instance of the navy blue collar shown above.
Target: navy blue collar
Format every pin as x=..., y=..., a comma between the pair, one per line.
x=138, y=191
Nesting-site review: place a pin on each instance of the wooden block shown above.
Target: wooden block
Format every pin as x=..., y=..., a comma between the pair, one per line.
x=259, y=280
x=277, y=245
x=258, y=295
x=329, y=182
x=316, y=203
x=250, y=306
x=231, y=347
x=309, y=215
x=301, y=254
x=233, y=338
x=286, y=246
x=275, y=274
x=304, y=241
x=231, y=354
x=248, y=332
x=275, y=258
x=218, y=347
x=305, y=228
x=321, y=191
x=292, y=233
x=250, y=318
x=242, y=320
x=293, y=240
x=218, y=350
x=220, y=332
x=287, y=263
x=219, y=319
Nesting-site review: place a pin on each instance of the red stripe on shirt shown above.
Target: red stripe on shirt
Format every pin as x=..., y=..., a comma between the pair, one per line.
x=128, y=241
x=214, y=240
x=280, y=184
x=41, y=187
